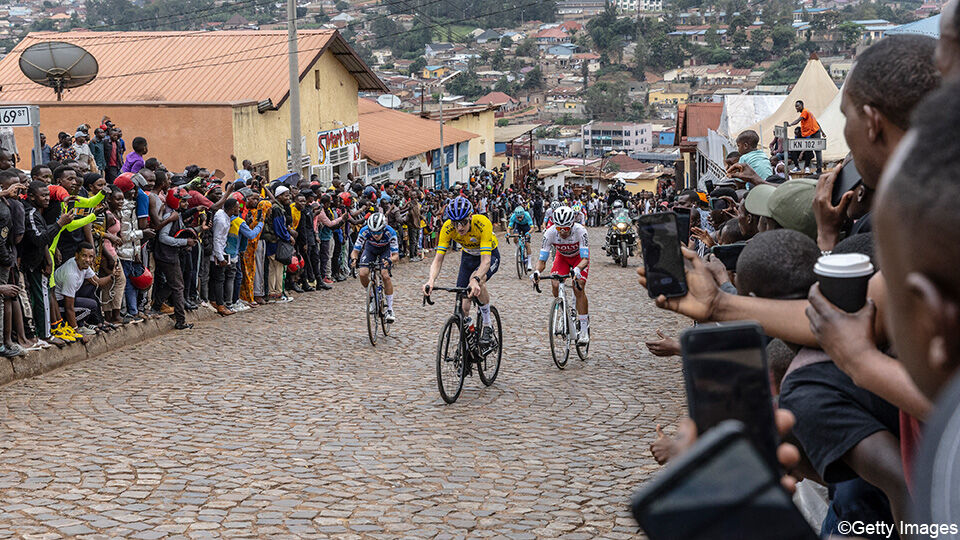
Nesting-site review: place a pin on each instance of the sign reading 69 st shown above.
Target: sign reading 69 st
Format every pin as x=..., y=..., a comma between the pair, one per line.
x=17, y=116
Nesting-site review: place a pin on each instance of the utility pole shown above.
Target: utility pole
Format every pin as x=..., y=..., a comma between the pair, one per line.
x=296, y=161
x=443, y=155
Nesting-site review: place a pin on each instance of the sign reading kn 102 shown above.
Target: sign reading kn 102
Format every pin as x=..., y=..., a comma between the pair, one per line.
x=799, y=145
x=16, y=116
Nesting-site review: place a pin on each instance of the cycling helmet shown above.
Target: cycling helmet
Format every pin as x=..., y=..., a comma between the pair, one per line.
x=458, y=209
x=518, y=210
x=376, y=222
x=577, y=208
x=617, y=204
x=554, y=205
x=564, y=216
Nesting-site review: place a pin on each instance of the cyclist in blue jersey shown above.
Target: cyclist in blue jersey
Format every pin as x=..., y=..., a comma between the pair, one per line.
x=521, y=223
x=377, y=240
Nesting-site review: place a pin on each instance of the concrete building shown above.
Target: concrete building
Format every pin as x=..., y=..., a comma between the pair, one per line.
x=151, y=84
x=402, y=146
x=602, y=137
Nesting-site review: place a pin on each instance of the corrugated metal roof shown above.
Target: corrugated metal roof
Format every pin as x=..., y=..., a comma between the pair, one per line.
x=387, y=135
x=189, y=67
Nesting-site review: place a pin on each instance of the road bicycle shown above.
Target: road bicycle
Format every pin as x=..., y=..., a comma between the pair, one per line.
x=561, y=320
x=458, y=347
x=522, y=255
x=376, y=304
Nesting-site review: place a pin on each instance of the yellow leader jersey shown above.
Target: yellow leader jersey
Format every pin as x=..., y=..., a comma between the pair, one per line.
x=479, y=239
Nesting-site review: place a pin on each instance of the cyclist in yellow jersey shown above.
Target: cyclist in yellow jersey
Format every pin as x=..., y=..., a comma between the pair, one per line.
x=478, y=263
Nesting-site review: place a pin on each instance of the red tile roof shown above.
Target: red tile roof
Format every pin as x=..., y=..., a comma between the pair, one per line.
x=554, y=33
x=387, y=135
x=496, y=98
x=698, y=118
x=185, y=67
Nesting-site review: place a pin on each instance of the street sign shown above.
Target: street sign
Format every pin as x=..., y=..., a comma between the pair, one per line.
x=18, y=116
x=779, y=132
x=802, y=145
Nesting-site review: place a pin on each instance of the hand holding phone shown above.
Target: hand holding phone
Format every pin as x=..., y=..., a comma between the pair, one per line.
x=726, y=375
x=662, y=259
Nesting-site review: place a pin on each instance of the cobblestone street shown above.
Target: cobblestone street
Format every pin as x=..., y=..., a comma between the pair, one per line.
x=285, y=421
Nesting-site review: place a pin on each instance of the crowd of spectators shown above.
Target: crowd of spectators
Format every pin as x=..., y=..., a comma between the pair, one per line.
x=866, y=398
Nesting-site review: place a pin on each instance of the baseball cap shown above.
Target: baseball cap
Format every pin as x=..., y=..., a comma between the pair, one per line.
x=790, y=204
x=757, y=200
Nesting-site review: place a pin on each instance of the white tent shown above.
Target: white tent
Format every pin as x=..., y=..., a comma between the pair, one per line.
x=740, y=112
x=814, y=88
x=831, y=123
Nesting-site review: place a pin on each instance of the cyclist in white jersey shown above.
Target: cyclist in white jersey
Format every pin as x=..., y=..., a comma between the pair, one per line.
x=570, y=240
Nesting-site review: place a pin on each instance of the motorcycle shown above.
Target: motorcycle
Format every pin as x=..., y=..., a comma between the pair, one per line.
x=621, y=238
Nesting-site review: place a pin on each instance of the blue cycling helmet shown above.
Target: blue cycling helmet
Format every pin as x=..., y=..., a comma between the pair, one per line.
x=518, y=210
x=458, y=209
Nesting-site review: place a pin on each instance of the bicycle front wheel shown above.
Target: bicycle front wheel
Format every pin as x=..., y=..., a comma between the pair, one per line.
x=372, y=312
x=451, y=355
x=489, y=364
x=519, y=262
x=559, y=344
x=583, y=351
x=384, y=327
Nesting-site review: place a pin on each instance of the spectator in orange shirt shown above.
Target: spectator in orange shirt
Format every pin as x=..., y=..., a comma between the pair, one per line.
x=809, y=129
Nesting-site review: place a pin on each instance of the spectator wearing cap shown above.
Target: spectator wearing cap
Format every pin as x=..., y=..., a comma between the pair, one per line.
x=134, y=161
x=787, y=206
x=170, y=240
x=84, y=155
x=128, y=251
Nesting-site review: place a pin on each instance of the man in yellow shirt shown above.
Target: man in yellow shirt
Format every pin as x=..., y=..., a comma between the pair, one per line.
x=478, y=263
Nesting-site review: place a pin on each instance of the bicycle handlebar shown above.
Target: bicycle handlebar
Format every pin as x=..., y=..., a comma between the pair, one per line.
x=557, y=277
x=458, y=290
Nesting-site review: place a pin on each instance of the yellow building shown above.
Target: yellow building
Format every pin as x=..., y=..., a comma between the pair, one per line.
x=199, y=97
x=435, y=72
x=666, y=95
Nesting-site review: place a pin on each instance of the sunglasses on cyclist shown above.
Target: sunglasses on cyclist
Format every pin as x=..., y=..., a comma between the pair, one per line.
x=563, y=230
x=462, y=223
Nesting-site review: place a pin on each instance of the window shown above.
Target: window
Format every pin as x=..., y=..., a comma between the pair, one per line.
x=262, y=169
x=316, y=79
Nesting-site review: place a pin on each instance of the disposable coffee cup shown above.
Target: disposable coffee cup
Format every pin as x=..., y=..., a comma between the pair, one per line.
x=844, y=278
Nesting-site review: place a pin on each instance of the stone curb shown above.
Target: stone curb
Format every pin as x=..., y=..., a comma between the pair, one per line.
x=37, y=363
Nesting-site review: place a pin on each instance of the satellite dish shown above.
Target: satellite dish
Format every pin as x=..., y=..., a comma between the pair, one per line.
x=59, y=65
x=389, y=101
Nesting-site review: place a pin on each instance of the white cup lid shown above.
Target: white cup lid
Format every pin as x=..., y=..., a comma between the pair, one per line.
x=844, y=265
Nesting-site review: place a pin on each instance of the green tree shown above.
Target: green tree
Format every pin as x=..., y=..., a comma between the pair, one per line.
x=782, y=37
x=498, y=60
x=786, y=70
x=526, y=47
x=506, y=42
x=606, y=100
x=417, y=66
x=534, y=79
x=849, y=33
x=342, y=6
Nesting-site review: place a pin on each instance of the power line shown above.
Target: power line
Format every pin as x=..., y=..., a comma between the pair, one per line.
x=198, y=32
x=184, y=66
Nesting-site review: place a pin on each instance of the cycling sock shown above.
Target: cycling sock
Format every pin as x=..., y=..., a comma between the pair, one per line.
x=389, y=298
x=485, y=313
x=584, y=322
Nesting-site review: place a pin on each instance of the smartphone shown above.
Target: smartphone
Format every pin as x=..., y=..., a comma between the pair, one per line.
x=683, y=225
x=661, y=255
x=726, y=375
x=721, y=489
x=718, y=204
x=709, y=185
x=847, y=180
x=729, y=254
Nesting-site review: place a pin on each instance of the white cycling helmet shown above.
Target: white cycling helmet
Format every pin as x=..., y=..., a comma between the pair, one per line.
x=564, y=216
x=618, y=203
x=377, y=222
x=554, y=205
